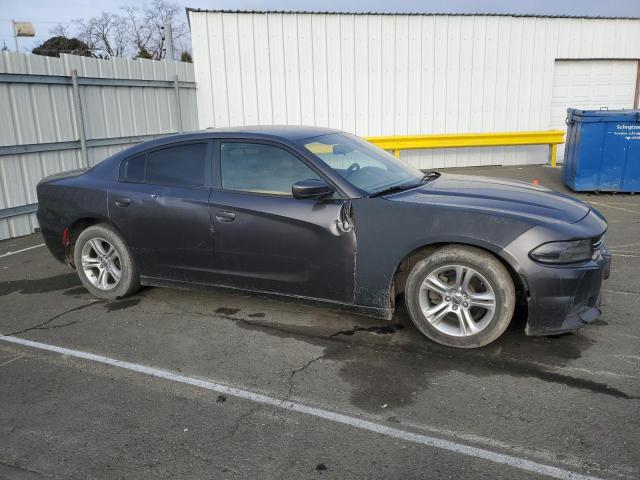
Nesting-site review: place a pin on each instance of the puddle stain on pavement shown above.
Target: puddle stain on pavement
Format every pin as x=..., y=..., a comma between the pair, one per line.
x=386, y=364
x=40, y=285
x=59, y=320
x=380, y=330
x=121, y=304
x=392, y=372
x=76, y=292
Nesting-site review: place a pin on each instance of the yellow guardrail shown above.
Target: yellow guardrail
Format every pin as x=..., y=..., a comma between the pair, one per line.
x=458, y=140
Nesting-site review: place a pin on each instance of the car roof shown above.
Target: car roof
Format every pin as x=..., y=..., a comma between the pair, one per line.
x=286, y=132
x=257, y=132
x=283, y=133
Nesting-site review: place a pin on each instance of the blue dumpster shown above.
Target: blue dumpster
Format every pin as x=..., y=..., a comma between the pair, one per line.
x=602, y=150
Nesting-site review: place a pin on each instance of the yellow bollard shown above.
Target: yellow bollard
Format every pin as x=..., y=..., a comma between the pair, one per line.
x=396, y=152
x=554, y=155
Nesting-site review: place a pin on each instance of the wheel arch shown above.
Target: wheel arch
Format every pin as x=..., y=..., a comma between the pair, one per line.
x=77, y=226
x=404, y=266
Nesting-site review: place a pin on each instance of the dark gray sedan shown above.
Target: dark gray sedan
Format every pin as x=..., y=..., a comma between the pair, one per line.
x=324, y=216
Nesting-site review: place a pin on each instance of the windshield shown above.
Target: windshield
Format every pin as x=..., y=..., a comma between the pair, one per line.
x=364, y=165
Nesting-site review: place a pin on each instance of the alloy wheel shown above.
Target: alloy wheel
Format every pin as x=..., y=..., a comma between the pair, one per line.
x=457, y=300
x=101, y=264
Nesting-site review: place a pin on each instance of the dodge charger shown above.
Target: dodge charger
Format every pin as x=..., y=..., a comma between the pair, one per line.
x=323, y=216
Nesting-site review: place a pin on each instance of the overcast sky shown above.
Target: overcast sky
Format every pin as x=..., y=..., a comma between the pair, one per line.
x=46, y=13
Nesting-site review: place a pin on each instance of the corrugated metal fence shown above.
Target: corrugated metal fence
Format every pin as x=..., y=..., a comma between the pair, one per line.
x=60, y=114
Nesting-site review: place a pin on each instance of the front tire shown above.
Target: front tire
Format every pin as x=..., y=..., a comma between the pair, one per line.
x=104, y=264
x=460, y=296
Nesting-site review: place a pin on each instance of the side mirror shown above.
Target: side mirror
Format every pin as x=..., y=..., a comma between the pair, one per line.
x=312, y=188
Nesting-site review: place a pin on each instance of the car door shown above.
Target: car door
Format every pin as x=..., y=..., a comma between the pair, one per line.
x=160, y=204
x=267, y=240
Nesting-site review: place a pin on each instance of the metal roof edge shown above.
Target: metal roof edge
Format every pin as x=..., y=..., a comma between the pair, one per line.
x=432, y=14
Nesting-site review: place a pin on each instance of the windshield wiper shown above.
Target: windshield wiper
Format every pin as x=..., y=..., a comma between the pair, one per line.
x=427, y=177
x=396, y=188
x=430, y=176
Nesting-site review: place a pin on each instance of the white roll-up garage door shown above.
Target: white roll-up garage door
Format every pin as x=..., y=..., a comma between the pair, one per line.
x=591, y=84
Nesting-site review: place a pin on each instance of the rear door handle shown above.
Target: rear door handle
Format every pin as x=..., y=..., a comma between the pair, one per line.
x=123, y=202
x=225, y=216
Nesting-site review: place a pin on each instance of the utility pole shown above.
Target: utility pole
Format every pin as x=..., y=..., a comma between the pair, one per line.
x=168, y=41
x=15, y=34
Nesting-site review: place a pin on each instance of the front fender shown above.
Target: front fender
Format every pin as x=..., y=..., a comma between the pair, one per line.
x=387, y=232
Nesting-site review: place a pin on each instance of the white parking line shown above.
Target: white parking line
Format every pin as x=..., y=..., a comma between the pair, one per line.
x=608, y=205
x=624, y=255
x=496, y=457
x=20, y=251
x=618, y=247
x=621, y=292
x=632, y=204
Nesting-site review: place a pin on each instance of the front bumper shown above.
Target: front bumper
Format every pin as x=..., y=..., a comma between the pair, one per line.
x=560, y=298
x=566, y=299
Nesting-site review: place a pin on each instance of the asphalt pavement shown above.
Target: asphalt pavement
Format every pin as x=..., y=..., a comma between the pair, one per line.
x=233, y=386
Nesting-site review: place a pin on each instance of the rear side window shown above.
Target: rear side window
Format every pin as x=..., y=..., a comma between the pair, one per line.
x=132, y=169
x=252, y=167
x=181, y=165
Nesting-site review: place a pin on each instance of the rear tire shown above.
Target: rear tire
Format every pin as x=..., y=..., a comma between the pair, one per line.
x=460, y=296
x=104, y=264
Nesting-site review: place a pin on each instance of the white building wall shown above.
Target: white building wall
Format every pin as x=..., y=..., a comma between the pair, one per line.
x=395, y=74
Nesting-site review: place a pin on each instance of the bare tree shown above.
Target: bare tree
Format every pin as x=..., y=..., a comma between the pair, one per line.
x=146, y=28
x=106, y=35
x=138, y=30
x=60, y=30
x=134, y=32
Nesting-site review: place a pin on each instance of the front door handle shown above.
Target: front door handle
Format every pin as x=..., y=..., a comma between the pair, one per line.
x=225, y=216
x=123, y=202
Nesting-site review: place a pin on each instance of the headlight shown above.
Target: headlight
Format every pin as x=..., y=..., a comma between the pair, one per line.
x=563, y=252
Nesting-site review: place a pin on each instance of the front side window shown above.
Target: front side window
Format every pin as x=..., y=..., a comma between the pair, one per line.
x=258, y=168
x=364, y=165
x=180, y=165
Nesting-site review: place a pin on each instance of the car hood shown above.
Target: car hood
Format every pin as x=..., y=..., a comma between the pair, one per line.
x=493, y=195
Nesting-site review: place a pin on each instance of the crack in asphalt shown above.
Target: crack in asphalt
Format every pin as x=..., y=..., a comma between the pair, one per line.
x=299, y=370
x=18, y=468
x=269, y=327
x=504, y=365
x=11, y=360
x=46, y=324
x=241, y=418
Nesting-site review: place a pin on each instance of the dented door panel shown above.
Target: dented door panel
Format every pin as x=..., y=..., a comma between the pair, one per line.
x=283, y=245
